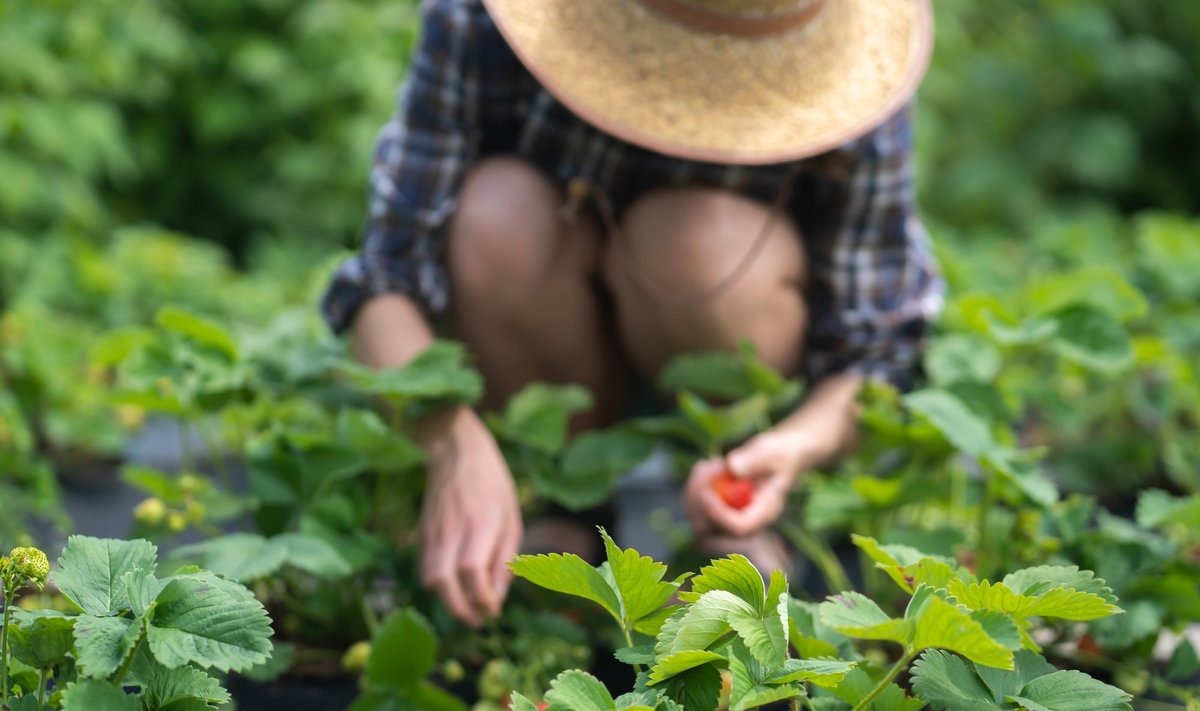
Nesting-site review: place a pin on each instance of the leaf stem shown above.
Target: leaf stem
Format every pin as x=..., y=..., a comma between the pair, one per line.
x=9, y=595
x=629, y=643
x=986, y=501
x=42, y=688
x=820, y=554
x=120, y=675
x=888, y=678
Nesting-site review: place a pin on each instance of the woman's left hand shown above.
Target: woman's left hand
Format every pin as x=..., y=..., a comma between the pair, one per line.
x=771, y=462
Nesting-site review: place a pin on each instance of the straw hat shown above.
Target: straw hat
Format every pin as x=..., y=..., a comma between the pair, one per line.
x=728, y=81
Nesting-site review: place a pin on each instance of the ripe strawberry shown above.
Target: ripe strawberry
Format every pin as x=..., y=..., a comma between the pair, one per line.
x=736, y=492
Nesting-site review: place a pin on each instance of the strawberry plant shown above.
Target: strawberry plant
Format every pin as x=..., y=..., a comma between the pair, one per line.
x=133, y=640
x=968, y=640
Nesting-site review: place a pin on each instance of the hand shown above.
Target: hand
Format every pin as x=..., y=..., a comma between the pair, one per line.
x=771, y=461
x=470, y=520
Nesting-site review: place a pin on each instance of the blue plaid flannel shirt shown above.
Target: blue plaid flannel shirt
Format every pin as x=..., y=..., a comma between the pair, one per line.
x=874, y=283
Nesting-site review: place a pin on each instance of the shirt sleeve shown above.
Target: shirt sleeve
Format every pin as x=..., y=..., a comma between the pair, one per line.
x=419, y=161
x=879, y=281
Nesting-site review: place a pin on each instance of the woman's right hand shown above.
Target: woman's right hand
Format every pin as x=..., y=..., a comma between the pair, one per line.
x=470, y=520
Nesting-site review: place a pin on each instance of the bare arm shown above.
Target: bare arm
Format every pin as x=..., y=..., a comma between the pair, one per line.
x=470, y=519
x=822, y=429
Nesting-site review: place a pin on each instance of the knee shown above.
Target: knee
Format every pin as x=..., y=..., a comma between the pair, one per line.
x=695, y=240
x=506, y=232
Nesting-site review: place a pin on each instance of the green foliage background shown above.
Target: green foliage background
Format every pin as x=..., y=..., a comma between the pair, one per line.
x=130, y=127
x=240, y=121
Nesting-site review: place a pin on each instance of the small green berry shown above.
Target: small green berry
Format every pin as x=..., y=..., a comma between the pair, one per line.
x=30, y=563
x=150, y=511
x=355, y=658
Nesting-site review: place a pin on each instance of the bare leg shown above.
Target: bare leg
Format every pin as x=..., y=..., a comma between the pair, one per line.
x=524, y=288
x=687, y=242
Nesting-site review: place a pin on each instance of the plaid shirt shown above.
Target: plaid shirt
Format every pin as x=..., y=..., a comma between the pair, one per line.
x=874, y=284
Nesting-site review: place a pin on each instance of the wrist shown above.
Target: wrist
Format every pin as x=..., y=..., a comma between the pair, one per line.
x=440, y=430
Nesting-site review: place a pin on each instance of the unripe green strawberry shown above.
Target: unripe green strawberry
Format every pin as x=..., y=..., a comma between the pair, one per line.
x=150, y=511
x=355, y=658
x=29, y=563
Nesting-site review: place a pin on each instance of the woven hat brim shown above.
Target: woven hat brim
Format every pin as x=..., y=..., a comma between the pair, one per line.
x=642, y=77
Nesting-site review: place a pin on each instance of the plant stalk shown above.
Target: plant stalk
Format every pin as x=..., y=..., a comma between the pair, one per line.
x=42, y=688
x=629, y=643
x=894, y=672
x=986, y=501
x=125, y=665
x=9, y=595
x=820, y=554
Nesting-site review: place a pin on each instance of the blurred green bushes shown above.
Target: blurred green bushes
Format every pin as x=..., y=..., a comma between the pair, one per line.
x=251, y=119
x=1060, y=105
x=233, y=120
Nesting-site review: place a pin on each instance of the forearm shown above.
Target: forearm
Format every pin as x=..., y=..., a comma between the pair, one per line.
x=388, y=332
x=826, y=425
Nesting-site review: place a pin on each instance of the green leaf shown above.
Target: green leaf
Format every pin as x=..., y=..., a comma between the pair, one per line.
x=858, y=684
x=857, y=615
x=428, y=697
x=591, y=466
x=1169, y=248
x=949, y=683
x=1184, y=662
x=91, y=571
x=1157, y=508
x=765, y=637
x=238, y=556
x=959, y=357
x=679, y=662
x=651, y=624
x=703, y=622
x=1092, y=338
x=91, y=695
x=385, y=449
x=999, y=627
x=282, y=654
x=698, y=688
x=403, y=651
x=827, y=673
x=517, y=702
x=748, y=690
x=569, y=574
x=168, y=686
x=197, y=329
x=943, y=625
x=1061, y=602
x=313, y=554
x=734, y=574
x=723, y=425
x=717, y=374
x=1071, y=691
x=579, y=691
x=905, y=565
x=102, y=643
x=1003, y=683
x=1102, y=287
x=437, y=373
x=538, y=415
x=638, y=581
x=204, y=620
x=640, y=654
x=961, y=427
x=41, y=642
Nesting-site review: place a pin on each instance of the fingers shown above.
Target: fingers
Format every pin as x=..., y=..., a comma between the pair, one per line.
x=439, y=573
x=698, y=486
x=758, y=457
x=508, y=546
x=770, y=496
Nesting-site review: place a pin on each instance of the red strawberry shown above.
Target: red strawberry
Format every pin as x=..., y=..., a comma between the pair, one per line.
x=736, y=492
